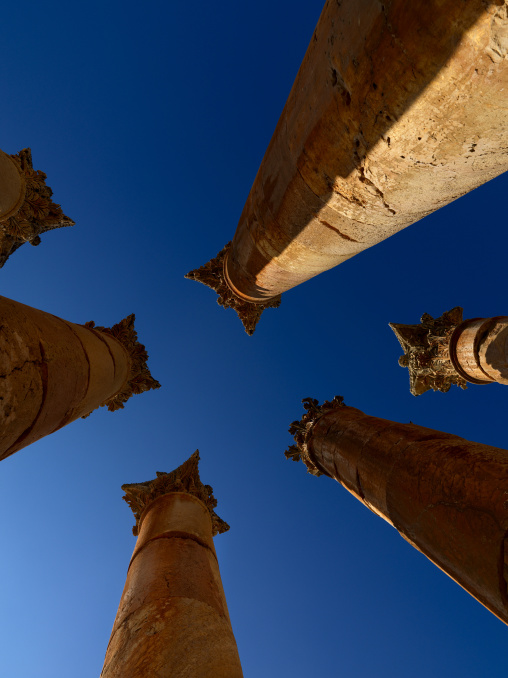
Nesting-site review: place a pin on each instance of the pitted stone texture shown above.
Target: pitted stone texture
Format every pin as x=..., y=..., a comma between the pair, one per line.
x=202, y=644
x=397, y=109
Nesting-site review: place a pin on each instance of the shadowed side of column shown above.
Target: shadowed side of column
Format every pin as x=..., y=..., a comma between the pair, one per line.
x=447, y=496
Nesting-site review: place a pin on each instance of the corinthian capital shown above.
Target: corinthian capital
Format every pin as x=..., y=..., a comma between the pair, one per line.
x=37, y=213
x=186, y=479
x=213, y=275
x=427, y=354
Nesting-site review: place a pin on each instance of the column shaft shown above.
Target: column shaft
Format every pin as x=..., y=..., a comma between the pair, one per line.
x=173, y=620
x=479, y=350
x=398, y=108
x=53, y=371
x=12, y=187
x=446, y=496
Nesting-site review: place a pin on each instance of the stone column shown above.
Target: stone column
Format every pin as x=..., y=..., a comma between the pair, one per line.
x=53, y=371
x=173, y=621
x=448, y=497
x=447, y=350
x=26, y=208
x=398, y=108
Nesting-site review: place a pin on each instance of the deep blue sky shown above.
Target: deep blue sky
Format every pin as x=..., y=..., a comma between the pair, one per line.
x=151, y=121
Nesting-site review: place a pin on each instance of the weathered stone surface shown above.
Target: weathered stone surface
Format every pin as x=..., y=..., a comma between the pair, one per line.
x=53, y=371
x=445, y=495
x=479, y=350
x=398, y=108
x=173, y=620
x=26, y=207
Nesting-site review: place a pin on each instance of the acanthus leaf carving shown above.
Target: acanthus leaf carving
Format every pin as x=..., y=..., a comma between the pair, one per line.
x=426, y=352
x=212, y=275
x=301, y=431
x=36, y=214
x=140, y=379
x=185, y=478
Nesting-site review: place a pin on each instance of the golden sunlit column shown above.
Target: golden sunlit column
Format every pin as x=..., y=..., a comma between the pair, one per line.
x=447, y=350
x=173, y=621
x=398, y=108
x=448, y=497
x=53, y=371
x=26, y=208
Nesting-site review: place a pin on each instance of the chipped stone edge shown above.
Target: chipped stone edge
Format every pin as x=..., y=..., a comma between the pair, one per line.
x=301, y=431
x=212, y=275
x=185, y=478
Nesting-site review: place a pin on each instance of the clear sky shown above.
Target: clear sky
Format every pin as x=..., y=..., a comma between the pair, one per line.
x=151, y=121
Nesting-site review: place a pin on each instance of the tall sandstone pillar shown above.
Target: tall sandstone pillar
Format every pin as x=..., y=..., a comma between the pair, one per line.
x=397, y=109
x=26, y=207
x=173, y=620
x=53, y=371
x=448, y=497
x=448, y=350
